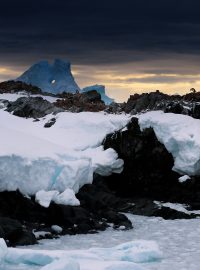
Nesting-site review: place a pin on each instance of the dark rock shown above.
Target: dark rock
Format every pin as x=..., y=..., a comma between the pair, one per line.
x=115, y=108
x=50, y=123
x=147, y=168
x=187, y=104
x=79, y=102
x=34, y=107
x=17, y=86
x=13, y=232
x=147, y=207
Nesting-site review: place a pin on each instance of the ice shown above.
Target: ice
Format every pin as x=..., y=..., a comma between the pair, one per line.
x=179, y=241
x=101, y=90
x=62, y=264
x=67, y=198
x=44, y=198
x=3, y=250
x=137, y=251
x=53, y=78
x=128, y=255
x=180, y=135
x=56, y=228
x=184, y=178
x=63, y=156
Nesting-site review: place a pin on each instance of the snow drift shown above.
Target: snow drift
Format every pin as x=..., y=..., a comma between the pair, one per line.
x=180, y=135
x=57, y=158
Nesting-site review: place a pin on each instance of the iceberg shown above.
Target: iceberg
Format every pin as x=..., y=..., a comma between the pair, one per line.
x=101, y=90
x=53, y=78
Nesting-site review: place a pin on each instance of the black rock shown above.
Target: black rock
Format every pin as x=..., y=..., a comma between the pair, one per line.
x=34, y=107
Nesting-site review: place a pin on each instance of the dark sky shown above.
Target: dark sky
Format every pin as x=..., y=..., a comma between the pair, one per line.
x=159, y=37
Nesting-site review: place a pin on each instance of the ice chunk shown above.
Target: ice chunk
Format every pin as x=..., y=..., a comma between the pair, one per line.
x=44, y=198
x=3, y=250
x=184, y=178
x=136, y=251
x=122, y=255
x=56, y=229
x=67, y=198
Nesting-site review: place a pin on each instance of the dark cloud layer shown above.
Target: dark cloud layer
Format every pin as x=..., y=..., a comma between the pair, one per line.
x=96, y=32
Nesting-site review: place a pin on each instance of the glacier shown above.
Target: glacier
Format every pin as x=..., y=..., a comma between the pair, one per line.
x=53, y=78
x=101, y=90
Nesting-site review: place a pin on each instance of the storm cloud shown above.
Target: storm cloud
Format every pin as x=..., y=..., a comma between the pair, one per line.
x=145, y=36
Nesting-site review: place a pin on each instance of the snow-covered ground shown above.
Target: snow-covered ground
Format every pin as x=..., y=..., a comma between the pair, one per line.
x=14, y=97
x=178, y=240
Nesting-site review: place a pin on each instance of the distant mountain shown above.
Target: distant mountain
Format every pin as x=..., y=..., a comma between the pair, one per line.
x=53, y=78
x=101, y=90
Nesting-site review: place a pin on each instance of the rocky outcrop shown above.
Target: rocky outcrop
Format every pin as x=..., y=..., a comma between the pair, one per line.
x=187, y=104
x=99, y=209
x=101, y=90
x=148, y=168
x=88, y=101
x=14, y=87
x=34, y=107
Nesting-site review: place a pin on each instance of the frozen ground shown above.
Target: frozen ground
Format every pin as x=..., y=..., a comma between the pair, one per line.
x=179, y=240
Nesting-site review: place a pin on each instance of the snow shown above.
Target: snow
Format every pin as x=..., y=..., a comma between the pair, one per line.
x=15, y=96
x=130, y=255
x=180, y=135
x=39, y=234
x=101, y=90
x=184, y=178
x=178, y=207
x=63, y=156
x=53, y=78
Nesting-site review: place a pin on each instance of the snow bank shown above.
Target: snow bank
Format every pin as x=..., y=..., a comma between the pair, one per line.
x=126, y=256
x=63, y=156
x=180, y=135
